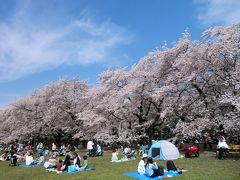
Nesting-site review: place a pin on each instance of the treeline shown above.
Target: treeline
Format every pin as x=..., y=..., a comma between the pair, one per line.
x=184, y=91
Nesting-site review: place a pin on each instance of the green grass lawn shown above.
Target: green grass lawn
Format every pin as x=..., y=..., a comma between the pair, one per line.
x=206, y=167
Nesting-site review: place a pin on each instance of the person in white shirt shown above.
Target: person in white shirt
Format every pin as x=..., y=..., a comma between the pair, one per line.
x=115, y=156
x=126, y=152
x=40, y=160
x=29, y=158
x=90, y=147
x=99, y=150
x=141, y=165
x=54, y=147
x=222, y=147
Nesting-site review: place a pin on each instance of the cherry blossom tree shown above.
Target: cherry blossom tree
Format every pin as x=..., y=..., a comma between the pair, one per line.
x=182, y=91
x=48, y=113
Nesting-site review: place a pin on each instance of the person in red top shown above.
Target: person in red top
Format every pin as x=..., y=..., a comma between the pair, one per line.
x=59, y=165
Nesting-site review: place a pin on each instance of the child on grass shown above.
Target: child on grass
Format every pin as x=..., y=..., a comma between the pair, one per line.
x=85, y=163
x=59, y=165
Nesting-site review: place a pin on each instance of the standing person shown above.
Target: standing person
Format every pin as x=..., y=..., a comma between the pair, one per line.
x=209, y=140
x=40, y=147
x=54, y=150
x=54, y=147
x=12, y=151
x=222, y=147
x=13, y=156
x=90, y=145
x=153, y=170
x=141, y=165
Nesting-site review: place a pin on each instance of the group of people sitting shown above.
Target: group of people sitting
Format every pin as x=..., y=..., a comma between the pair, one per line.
x=128, y=154
x=57, y=165
x=94, y=149
x=14, y=152
x=142, y=149
x=61, y=150
x=20, y=153
x=68, y=165
x=30, y=161
x=147, y=167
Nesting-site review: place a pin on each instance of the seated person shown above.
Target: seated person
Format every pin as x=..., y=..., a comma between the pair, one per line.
x=115, y=156
x=59, y=165
x=40, y=160
x=141, y=165
x=3, y=156
x=68, y=149
x=127, y=150
x=66, y=163
x=85, y=163
x=20, y=158
x=222, y=147
x=70, y=154
x=98, y=150
x=131, y=154
x=153, y=170
x=51, y=163
x=63, y=150
x=29, y=158
x=46, y=152
x=141, y=150
x=76, y=160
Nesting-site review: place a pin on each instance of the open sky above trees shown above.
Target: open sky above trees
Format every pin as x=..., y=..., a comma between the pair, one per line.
x=43, y=41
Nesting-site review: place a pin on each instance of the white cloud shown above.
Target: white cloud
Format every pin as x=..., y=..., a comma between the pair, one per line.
x=212, y=12
x=27, y=47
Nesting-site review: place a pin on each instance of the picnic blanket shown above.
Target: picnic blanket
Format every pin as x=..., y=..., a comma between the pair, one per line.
x=73, y=172
x=136, y=175
x=32, y=165
x=123, y=160
x=78, y=171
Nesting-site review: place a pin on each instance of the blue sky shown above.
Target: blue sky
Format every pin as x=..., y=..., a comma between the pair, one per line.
x=44, y=41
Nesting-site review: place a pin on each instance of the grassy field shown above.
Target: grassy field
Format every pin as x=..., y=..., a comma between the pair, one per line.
x=206, y=167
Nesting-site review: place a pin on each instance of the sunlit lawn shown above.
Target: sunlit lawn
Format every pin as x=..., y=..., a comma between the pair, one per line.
x=203, y=168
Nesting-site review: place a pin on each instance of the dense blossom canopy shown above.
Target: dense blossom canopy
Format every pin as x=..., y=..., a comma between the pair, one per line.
x=183, y=91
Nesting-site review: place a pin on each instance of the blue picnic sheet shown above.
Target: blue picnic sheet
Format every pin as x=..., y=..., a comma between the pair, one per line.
x=32, y=165
x=78, y=171
x=74, y=172
x=136, y=175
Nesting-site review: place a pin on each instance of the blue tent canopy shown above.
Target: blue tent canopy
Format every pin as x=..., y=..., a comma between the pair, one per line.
x=163, y=150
